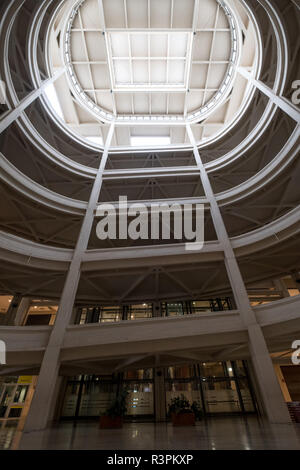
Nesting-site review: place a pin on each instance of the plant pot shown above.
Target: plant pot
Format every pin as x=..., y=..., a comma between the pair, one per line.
x=183, y=419
x=109, y=422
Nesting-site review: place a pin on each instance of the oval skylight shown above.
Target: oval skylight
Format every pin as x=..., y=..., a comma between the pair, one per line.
x=137, y=60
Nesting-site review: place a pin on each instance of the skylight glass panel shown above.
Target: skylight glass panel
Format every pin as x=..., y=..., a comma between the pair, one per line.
x=149, y=59
x=137, y=141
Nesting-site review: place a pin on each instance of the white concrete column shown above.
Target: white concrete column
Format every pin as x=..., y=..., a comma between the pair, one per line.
x=21, y=311
x=40, y=410
x=273, y=400
x=269, y=387
x=284, y=104
x=159, y=394
x=74, y=315
x=12, y=115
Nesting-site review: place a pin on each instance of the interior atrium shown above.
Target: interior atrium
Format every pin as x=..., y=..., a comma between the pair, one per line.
x=181, y=103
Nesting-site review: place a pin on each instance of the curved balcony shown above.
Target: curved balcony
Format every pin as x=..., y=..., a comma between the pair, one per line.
x=208, y=333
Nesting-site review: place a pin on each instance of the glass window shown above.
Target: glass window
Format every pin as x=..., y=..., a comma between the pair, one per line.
x=83, y=313
x=214, y=369
x=240, y=368
x=191, y=391
x=138, y=374
x=140, y=311
x=6, y=399
x=178, y=387
x=230, y=369
x=111, y=314
x=104, y=314
x=180, y=372
x=139, y=387
x=70, y=400
x=11, y=379
x=174, y=309
x=221, y=396
x=246, y=395
x=220, y=304
x=21, y=393
x=140, y=399
x=96, y=397
x=199, y=306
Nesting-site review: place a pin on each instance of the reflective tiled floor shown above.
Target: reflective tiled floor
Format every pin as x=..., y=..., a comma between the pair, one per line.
x=218, y=433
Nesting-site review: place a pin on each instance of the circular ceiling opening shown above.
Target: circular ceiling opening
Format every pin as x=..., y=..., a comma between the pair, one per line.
x=151, y=67
x=131, y=60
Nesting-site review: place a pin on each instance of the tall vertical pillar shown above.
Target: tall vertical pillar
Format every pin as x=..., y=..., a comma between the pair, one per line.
x=21, y=311
x=13, y=114
x=42, y=402
x=274, y=405
x=159, y=394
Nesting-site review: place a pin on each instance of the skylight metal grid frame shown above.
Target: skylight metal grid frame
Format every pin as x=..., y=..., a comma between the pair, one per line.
x=149, y=85
x=202, y=113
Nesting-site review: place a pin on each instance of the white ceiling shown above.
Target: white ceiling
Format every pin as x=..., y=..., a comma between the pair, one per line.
x=165, y=57
x=144, y=61
x=141, y=57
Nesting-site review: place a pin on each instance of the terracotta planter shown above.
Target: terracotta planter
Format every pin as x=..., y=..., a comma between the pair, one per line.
x=109, y=422
x=183, y=419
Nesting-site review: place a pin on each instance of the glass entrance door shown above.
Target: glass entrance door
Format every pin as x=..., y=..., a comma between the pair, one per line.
x=88, y=396
x=96, y=398
x=140, y=386
x=221, y=396
x=140, y=400
x=219, y=387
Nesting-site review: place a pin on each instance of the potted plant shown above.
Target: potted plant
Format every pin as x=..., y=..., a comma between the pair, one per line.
x=113, y=417
x=183, y=413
